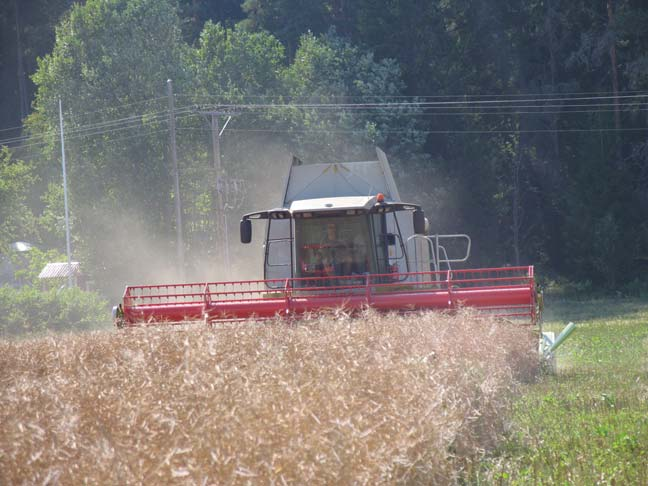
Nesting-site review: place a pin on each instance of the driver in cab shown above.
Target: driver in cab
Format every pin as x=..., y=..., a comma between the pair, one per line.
x=337, y=254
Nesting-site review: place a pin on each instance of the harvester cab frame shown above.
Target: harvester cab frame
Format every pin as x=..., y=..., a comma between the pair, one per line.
x=339, y=236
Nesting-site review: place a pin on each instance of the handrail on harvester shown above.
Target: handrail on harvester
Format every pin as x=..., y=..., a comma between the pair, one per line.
x=506, y=292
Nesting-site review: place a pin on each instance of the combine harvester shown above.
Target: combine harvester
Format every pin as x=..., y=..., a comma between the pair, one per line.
x=341, y=239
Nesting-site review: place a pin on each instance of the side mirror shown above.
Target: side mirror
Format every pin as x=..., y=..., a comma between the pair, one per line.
x=246, y=230
x=419, y=222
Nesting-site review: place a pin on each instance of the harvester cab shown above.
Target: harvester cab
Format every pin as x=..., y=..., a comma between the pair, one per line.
x=339, y=236
x=342, y=237
x=347, y=219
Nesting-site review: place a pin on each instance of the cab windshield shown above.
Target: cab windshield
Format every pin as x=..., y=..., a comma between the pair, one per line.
x=333, y=246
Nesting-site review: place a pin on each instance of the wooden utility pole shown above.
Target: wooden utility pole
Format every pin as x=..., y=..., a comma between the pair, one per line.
x=176, y=177
x=219, y=184
x=65, y=199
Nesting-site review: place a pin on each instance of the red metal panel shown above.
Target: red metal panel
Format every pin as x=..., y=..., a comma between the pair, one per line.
x=164, y=313
x=508, y=292
x=245, y=309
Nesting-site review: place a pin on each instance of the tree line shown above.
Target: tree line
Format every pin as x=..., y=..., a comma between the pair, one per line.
x=521, y=124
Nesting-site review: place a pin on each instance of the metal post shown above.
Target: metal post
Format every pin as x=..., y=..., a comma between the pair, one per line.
x=221, y=216
x=174, y=161
x=65, y=199
x=218, y=172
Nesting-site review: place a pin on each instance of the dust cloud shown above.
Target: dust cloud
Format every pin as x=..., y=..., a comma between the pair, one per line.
x=134, y=253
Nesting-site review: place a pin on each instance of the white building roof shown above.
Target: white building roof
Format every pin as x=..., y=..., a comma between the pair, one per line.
x=60, y=270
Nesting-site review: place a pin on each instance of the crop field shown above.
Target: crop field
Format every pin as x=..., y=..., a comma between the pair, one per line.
x=588, y=424
x=374, y=399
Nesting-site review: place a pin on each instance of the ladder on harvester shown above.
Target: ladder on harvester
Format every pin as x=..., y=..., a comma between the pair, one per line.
x=429, y=255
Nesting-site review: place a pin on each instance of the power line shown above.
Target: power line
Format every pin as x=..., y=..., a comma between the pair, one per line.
x=19, y=127
x=126, y=122
x=135, y=121
x=113, y=107
x=538, y=109
x=452, y=99
x=421, y=103
x=113, y=141
x=464, y=96
x=504, y=113
x=499, y=131
x=77, y=115
x=557, y=130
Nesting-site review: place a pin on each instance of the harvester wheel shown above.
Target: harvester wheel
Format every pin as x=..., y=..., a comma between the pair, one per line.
x=539, y=305
x=118, y=317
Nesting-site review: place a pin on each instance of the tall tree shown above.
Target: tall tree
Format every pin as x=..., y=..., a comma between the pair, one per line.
x=233, y=70
x=26, y=32
x=329, y=70
x=195, y=13
x=288, y=20
x=109, y=67
x=17, y=220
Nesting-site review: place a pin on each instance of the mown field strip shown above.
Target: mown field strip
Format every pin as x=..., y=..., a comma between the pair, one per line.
x=589, y=423
x=332, y=399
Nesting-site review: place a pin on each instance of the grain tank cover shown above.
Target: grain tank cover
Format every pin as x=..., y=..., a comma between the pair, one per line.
x=340, y=179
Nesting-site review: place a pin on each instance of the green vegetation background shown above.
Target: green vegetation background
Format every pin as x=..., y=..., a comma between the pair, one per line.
x=587, y=424
x=561, y=181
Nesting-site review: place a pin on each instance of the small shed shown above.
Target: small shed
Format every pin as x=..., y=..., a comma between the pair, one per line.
x=57, y=273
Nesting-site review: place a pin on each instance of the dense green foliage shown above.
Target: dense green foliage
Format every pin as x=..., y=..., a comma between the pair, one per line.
x=16, y=179
x=28, y=310
x=587, y=424
x=522, y=124
x=33, y=306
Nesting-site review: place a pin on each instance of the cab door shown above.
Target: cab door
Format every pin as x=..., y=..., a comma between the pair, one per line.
x=388, y=244
x=278, y=252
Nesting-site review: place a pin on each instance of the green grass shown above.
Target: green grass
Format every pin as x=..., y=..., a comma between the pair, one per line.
x=587, y=424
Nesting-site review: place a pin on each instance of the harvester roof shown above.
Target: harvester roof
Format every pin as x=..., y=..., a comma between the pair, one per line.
x=332, y=206
x=333, y=203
